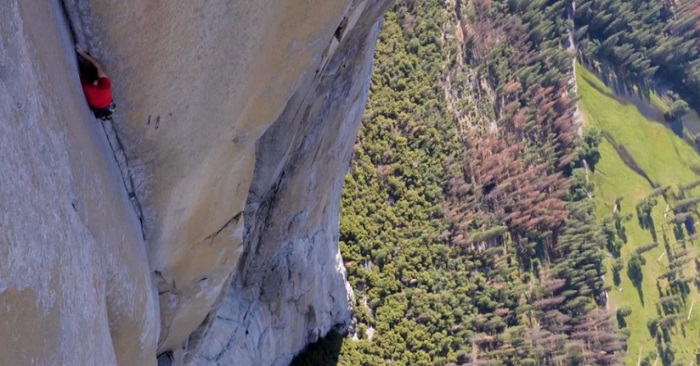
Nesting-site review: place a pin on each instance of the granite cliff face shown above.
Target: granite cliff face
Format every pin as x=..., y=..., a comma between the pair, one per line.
x=237, y=121
x=75, y=286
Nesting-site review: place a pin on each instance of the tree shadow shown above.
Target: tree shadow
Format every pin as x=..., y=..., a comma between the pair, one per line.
x=667, y=355
x=659, y=290
x=628, y=92
x=652, y=228
x=667, y=244
x=676, y=126
x=636, y=275
x=325, y=352
x=640, y=293
x=621, y=322
x=689, y=224
x=616, y=278
x=646, y=222
x=678, y=231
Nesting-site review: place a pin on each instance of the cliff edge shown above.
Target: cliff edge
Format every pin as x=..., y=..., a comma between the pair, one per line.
x=237, y=120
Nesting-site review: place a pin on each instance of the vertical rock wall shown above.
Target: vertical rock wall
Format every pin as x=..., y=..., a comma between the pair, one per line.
x=198, y=84
x=289, y=288
x=237, y=121
x=75, y=288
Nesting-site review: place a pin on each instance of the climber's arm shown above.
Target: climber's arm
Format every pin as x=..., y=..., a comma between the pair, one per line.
x=100, y=70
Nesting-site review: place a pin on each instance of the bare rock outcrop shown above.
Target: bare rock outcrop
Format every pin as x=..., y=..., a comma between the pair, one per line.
x=237, y=119
x=75, y=288
x=289, y=287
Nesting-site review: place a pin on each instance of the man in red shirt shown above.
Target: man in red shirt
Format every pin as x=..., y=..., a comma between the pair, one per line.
x=96, y=86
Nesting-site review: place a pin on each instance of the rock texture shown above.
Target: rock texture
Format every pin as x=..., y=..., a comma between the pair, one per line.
x=75, y=288
x=289, y=287
x=237, y=121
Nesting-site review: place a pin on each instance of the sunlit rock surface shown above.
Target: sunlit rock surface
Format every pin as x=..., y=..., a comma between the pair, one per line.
x=288, y=289
x=75, y=288
x=237, y=120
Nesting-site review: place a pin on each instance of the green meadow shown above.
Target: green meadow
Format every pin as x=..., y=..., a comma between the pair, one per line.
x=639, y=155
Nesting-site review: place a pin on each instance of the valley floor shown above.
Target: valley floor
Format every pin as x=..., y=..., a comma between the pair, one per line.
x=639, y=155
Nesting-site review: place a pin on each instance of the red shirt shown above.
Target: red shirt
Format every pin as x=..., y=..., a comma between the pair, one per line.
x=100, y=95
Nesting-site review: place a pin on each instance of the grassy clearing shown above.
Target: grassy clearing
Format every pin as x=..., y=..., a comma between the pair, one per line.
x=666, y=160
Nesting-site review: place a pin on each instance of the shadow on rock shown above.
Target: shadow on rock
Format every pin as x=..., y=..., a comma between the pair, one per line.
x=325, y=352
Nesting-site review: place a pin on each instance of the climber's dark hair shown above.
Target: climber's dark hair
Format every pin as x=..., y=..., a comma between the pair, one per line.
x=88, y=72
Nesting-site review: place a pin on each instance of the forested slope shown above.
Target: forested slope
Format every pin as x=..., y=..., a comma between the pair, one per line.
x=469, y=227
x=643, y=39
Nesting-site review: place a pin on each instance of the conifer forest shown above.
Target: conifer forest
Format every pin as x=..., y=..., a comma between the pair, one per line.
x=525, y=186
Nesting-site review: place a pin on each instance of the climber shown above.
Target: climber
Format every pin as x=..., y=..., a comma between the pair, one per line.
x=96, y=85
